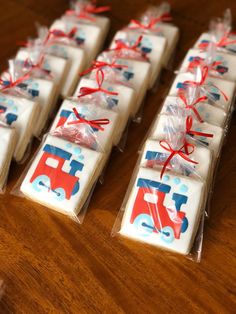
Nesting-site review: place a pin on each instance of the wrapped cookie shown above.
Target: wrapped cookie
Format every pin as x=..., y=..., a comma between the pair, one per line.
x=219, y=93
x=111, y=96
x=142, y=47
x=85, y=36
x=87, y=12
x=164, y=212
x=154, y=21
x=8, y=143
x=41, y=90
x=56, y=67
x=95, y=124
x=132, y=73
x=62, y=176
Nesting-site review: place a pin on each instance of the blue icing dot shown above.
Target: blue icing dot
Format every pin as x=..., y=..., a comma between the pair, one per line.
x=68, y=145
x=166, y=178
x=177, y=180
x=14, y=109
x=77, y=150
x=200, y=108
x=198, y=129
x=183, y=188
x=10, y=102
x=81, y=157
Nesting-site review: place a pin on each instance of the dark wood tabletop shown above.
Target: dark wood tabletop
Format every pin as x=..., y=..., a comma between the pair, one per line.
x=50, y=264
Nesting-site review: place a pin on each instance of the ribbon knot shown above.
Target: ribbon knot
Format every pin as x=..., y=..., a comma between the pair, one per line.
x=10, y=83
x=173, y=152
x=204, y=75
x=96, y=124
x=193, y=104
x=80, y=15
x=38, y=66
x=84, y=91
x=57, y=33
x=189, y=124
x=96, y=65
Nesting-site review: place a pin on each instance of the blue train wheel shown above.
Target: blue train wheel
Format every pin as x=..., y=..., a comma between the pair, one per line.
x=184, y=226
x=41, y=183
x=76, y=188
x=144, y=224
x=59, y=194
x=167, y=234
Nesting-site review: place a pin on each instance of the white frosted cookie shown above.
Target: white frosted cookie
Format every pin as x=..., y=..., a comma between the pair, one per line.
x=95, y=138
x=204, y=111
x=76, y=63
x=220, y=92
x=166, y=30
x=62, y=175
x=7, y=144
x=57, y=67
x=160, y=129
x=123, y=103
x=21, y=114
x=152, y=46
x=136, y=73
x=87, y=37
x=224, y=70
x=164, y=213
x=154, y=156
x=44, y=93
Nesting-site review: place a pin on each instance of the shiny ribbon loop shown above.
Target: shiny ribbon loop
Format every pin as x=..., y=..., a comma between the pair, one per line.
x=189, y=124
x=192, y=106
x=96, y=65
x=89, y=90
x=96, y=124
x=165, y=145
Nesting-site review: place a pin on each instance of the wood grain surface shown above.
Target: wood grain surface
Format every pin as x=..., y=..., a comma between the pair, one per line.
x=52, y=265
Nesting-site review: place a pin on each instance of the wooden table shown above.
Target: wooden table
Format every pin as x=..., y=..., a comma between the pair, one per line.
x=52, y=265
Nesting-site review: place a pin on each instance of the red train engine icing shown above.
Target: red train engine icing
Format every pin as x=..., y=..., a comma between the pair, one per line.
x=150, y=214
x=50, y=167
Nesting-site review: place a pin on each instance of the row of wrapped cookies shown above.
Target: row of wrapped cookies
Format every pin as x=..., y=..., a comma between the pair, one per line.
x=166, y=201
x=44, y=69
x=89, y=124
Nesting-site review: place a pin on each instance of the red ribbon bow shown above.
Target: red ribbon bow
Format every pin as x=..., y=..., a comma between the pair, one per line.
x=96, y=124
x=93, y=9
x=166, y=17
x=204, y=74
x=121, y=44
x=164, y=144
x=11, y=83
x=80, y=15
x=101, y=64
x=192, y=106
x=89, y=90
x=57, y=33
x=189, y=123
x=223, y=42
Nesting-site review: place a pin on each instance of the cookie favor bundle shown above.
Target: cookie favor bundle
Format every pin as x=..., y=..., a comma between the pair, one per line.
x=165, y=204
x=88, y=125
x=44, y=69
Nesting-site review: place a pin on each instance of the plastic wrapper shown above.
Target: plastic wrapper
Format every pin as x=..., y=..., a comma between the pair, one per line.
x=86, y=12
x=8, y=143
x=148, y=48
x=115, y=97
x=86, y=36
x=220, y=64
x=22, y=81
x=128, y=72
x=165, y=202
x=154, y=22
x=219, y=93
x=219, y=34
x=65, y=169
